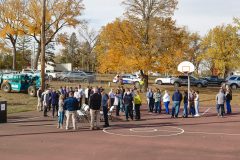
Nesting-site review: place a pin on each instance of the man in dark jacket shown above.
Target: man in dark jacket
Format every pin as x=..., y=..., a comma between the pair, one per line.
x=176, y=98
x=55, y=99
x=128, y=103
x=71, y=106
x=95, y=104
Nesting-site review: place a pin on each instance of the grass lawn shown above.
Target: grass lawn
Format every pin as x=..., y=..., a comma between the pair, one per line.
x=21, y=102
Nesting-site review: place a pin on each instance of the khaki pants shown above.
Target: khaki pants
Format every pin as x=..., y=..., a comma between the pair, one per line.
x=68, y=115
x=95, y=116
x=39, y=105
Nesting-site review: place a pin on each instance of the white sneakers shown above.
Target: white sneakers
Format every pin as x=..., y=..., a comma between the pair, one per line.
x=196, y=115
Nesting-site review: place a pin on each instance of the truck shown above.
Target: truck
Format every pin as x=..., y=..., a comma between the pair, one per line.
x=20, y=83
x=214, y=80
x=183, y=81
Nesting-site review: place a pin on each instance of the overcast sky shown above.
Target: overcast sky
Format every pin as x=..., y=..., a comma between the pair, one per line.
x=197, y=15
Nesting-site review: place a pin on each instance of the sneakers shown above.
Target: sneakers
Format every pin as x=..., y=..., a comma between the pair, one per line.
x=196, y=115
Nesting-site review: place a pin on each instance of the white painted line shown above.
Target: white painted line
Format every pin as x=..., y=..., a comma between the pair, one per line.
x=206, y=111
x=209, y=133
x=108, y=131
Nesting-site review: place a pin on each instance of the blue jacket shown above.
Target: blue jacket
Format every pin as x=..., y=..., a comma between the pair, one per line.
x=177, y=96
x=70, y=104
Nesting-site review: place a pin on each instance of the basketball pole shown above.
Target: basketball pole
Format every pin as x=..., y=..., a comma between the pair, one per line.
x=188, y=89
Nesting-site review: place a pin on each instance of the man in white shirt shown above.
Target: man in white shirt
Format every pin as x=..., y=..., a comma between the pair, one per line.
x=80, y=90
x=77, y=95
x=86, y=95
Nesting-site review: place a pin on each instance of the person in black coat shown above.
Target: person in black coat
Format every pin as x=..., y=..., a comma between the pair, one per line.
x=95, y=104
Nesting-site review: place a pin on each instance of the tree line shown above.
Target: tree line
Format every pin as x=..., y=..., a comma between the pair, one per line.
x=145, y=39
x=148, y=39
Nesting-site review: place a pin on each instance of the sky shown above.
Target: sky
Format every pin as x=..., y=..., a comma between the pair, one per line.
x=198, y=15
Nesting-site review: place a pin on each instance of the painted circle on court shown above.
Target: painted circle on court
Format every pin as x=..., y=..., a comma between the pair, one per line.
x=162, y=131
x=143, y=130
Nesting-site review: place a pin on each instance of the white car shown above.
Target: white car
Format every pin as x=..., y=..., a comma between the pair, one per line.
x=163, y=80
x=127, y=79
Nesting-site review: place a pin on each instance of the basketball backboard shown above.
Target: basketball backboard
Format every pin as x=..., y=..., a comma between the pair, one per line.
x=186, y=67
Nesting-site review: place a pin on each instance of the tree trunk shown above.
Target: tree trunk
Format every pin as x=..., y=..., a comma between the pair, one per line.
x=37, y=56
x=145, y=80
x=14, y=56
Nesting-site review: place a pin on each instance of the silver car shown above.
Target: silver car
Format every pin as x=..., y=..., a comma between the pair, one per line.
x=77, y=76
x=233, y=82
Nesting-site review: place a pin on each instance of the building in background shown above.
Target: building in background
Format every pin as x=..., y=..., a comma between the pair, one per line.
x=57, y=67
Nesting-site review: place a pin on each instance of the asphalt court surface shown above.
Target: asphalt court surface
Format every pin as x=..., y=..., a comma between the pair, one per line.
x=31, y=136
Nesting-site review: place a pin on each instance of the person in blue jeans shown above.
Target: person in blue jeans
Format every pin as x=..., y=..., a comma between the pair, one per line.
x=176, y=98
x=228, y=100
x=185, y=102
x=150, y=100
x=60, y=111
x=166, y=101
x=105, y=105
x=128, y=103
x=54, y=101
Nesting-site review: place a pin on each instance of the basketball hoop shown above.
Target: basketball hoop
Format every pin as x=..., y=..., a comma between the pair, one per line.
x=186, y=67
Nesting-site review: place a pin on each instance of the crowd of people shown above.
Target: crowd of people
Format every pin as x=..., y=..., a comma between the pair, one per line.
x=190, y=102
x=67, y=100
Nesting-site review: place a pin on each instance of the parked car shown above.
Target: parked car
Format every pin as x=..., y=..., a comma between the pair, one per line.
x=163, y=80
x=214, y=80
x=77, y=76
x=233, y=81
x=52, y=74
x=183, y=80
x=127, y=79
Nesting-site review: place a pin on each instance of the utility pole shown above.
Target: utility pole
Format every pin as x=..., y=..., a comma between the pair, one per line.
x=43, y=42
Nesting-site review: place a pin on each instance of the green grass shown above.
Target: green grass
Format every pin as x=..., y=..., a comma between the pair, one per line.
x=21, y=102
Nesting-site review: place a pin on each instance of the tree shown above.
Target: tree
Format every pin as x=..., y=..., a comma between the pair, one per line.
x=145, y=19
x=221, y=49
x=50, y=55
x=24, y=47
x=60, y=14
x=70, y=51
x=88, y=38
x=11, y=23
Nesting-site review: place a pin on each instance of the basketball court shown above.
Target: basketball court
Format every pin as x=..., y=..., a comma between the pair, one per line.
x=30, y=136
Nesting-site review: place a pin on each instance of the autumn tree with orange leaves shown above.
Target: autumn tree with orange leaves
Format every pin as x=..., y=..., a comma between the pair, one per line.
x=59, y=14
x=23, y=18
x=11, y=23
x=135, y=43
